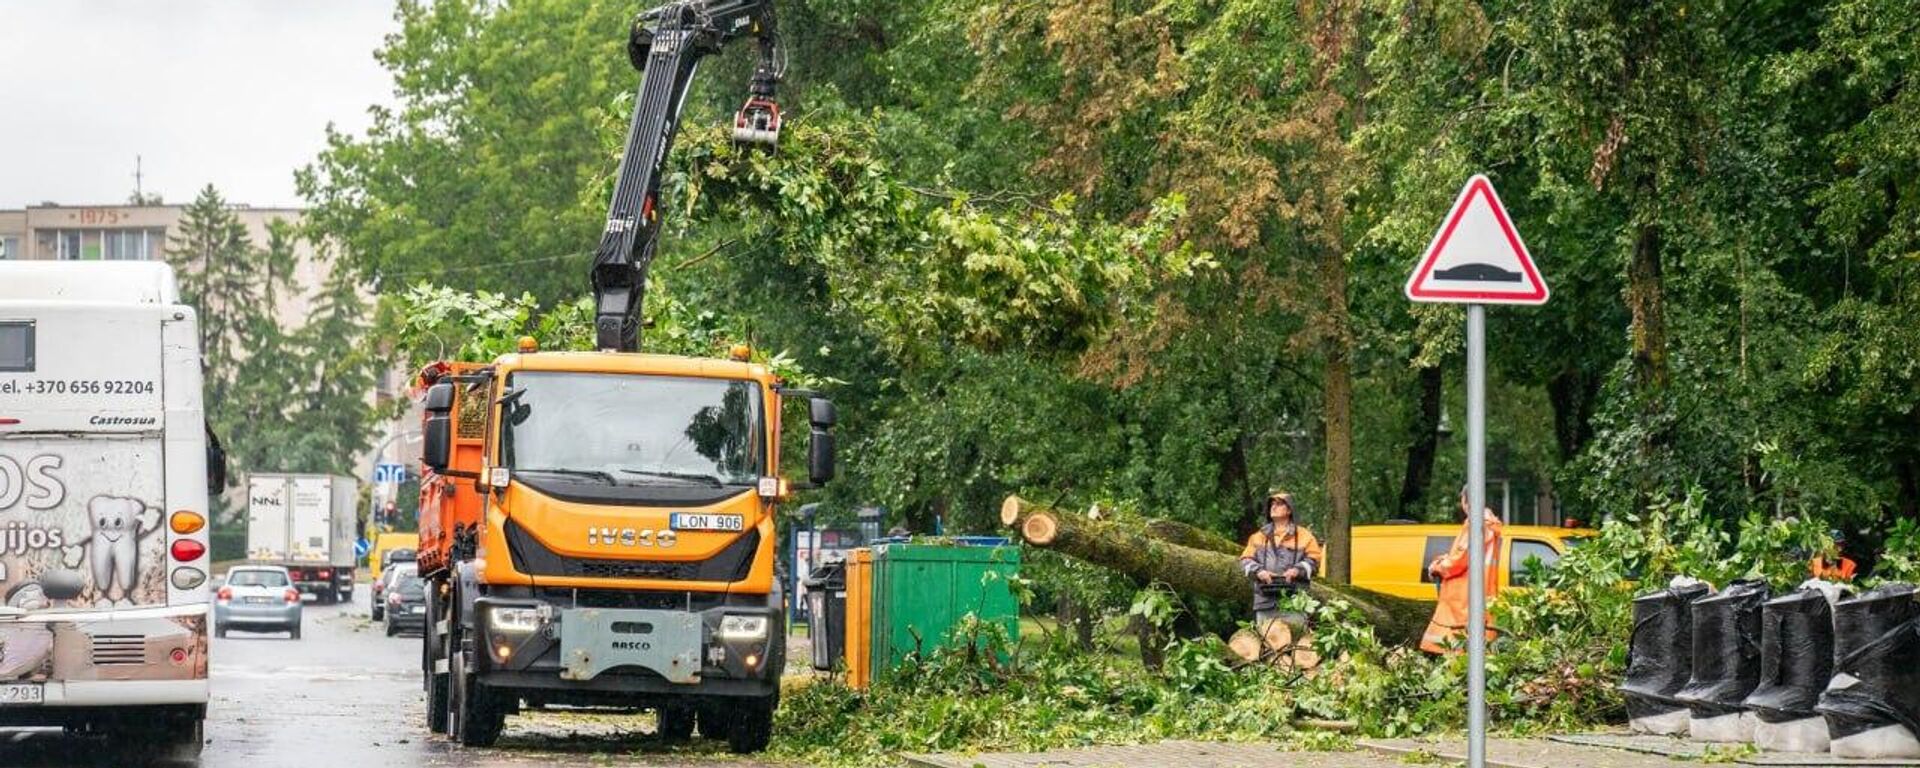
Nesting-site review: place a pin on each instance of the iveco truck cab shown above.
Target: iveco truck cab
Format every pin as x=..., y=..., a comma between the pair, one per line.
x=598, y=530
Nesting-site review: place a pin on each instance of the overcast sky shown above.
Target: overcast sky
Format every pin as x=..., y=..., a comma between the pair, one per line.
x=236, y=93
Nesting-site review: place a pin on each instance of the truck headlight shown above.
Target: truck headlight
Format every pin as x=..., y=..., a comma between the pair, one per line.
x=743, y=627
x=515, y=620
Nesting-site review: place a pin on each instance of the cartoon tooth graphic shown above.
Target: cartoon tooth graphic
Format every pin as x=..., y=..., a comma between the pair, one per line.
x=114, y=544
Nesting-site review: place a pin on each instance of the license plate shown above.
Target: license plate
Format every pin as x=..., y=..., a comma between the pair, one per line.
x=22, y=693
x=419, y=609
x=683, y=521
x=260, y=600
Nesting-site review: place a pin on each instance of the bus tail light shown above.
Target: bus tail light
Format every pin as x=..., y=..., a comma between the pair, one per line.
x=188, y=550
x=186, y=521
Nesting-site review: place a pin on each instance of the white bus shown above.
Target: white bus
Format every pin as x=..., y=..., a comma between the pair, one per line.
x=104, y=478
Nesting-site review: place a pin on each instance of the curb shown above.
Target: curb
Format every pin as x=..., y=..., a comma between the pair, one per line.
x=1444, y=753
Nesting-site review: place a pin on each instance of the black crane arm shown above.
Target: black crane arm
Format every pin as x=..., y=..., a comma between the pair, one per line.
x=666, y=44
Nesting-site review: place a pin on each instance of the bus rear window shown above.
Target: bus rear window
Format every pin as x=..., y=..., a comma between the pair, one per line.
x=16, y=346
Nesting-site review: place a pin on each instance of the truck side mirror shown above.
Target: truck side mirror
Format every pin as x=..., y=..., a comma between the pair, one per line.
x=820, y=456
x=821, y=412
x=822, y=415
x=437, y=433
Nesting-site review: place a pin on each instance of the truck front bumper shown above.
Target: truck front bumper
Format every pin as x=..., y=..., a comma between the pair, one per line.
x=632, y=650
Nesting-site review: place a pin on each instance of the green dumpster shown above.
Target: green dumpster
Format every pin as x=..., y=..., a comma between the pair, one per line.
x=921, y=591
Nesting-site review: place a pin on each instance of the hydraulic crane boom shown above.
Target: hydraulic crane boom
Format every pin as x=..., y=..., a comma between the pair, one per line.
x=666, y=44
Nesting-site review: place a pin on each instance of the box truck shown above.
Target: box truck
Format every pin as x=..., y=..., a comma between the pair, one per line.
x=305, y=523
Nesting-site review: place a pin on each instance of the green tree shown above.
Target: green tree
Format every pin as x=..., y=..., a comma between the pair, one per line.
x=281, y=399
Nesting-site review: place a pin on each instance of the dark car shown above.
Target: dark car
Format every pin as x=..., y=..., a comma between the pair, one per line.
x=406, y=601
x=380, y=585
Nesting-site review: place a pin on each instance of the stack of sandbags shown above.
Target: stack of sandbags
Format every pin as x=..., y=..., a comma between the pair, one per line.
x=1726, y=663
x=1796, y=662
x=1872, y=705
x=1660, y=657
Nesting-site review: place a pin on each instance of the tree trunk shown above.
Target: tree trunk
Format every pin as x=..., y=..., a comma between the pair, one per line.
x=1426, y=442
x=1176, y=532
x=1572, y=392
x=1075, y=618
x=1204, y=573
x=1338, y=415
x=1646, y=301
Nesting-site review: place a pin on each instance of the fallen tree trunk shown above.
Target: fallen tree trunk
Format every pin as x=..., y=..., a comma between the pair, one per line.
x=1176, y=532
x=1147, y=559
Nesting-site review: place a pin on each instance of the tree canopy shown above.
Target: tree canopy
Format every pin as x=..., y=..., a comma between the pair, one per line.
x=1150, y=253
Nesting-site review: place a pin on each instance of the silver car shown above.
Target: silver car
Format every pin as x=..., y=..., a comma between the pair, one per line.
x=257, y=598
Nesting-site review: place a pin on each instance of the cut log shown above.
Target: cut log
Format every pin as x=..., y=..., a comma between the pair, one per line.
x=1278, y=648
x=1278, y=636
x=1212, y=574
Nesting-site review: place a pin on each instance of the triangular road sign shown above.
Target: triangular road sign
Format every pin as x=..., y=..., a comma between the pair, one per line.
x=1477, y=256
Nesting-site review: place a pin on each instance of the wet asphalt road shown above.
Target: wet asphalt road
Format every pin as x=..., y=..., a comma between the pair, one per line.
x=348, y=695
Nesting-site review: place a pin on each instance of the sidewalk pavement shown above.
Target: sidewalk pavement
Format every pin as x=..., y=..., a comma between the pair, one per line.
x=1594, y=751
x=1166, y=754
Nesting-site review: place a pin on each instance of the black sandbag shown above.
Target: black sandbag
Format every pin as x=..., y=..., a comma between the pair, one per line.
x=1660, y=650
x=1796, y=656
x=1726, y=650
x=1876, y=680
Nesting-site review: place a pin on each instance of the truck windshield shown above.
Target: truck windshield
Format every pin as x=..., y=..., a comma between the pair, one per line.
x=632, y=430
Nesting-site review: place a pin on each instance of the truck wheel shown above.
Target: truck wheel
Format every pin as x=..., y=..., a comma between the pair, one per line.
x=752, y=725
x=431, y=645
x=437, y=704
x=477, y=714
x=676, y=723
x=714, y=723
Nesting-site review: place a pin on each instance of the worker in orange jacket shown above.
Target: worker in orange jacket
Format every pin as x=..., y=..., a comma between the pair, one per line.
x=1450, y=570
x=1280, y=558
x=1834, y=565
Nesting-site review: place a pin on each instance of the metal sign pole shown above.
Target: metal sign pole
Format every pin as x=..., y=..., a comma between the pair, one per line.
x=1476, y=527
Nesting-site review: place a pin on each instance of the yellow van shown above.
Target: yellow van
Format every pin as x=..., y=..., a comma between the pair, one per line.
x=387, y=541
x=1393, y=558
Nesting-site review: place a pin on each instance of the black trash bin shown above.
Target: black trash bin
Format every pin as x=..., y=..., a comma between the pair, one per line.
x=1726, y=662
x=827, y=614
x=1872, y=706
x=1796, y=661
x=1660, y=657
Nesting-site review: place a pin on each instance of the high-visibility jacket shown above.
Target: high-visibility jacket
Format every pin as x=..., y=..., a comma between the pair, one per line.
x=1450, y=614
x=1843, y=570
x=1293, y=548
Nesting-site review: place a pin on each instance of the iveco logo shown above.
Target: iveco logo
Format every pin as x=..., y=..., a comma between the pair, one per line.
x=628, y=537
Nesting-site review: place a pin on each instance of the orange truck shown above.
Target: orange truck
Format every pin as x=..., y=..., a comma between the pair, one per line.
x=598, y=530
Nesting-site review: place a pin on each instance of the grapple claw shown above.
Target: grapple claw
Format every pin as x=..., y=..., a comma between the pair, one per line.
x=757, y=122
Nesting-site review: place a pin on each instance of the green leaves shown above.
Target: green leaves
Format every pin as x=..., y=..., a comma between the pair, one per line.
x=924, y=268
